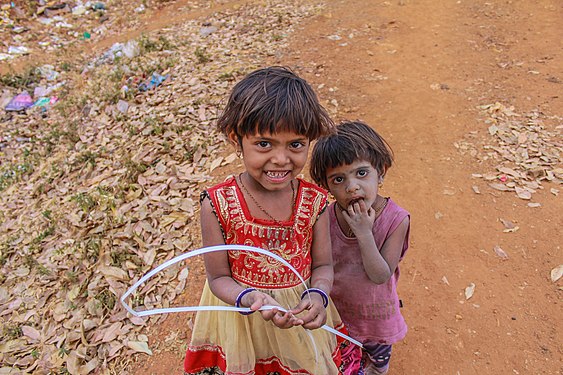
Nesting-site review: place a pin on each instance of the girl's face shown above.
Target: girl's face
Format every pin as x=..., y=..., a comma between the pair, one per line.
x=273, y=160
x=353, y=182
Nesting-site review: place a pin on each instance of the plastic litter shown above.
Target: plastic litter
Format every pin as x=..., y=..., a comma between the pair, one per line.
x=40, y=91
x=155, y=81
x=42, y=102
x=45, y=101
x=115, y=51
x=48, y=72
x=20, y=102
x=21, y=50
x=99, y=6
x=131, y=49
x=79, y=10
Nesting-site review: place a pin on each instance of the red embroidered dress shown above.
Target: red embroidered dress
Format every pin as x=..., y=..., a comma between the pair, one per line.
x=231, y=343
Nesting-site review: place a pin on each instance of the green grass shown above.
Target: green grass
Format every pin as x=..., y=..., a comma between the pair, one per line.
x=201, y=55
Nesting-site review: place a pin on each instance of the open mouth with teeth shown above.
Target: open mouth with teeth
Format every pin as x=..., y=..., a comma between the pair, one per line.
x=277, y=175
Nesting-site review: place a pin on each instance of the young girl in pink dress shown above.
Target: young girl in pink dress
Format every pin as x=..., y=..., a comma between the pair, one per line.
x=271, y=117
x=369, y=235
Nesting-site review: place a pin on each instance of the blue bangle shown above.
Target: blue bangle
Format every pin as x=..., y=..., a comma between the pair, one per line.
x=239, y=299
x=319, y=291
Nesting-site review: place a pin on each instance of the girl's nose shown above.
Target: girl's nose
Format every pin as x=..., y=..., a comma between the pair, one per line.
x=280, y=157
x=352, y=187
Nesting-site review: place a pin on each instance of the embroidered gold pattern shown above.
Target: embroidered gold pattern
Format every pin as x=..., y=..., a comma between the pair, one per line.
x=259, y=270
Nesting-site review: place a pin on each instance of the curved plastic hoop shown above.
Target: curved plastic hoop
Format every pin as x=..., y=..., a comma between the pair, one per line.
x=216, y=308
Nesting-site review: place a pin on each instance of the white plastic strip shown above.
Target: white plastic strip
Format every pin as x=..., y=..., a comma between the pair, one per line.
x=215, y=308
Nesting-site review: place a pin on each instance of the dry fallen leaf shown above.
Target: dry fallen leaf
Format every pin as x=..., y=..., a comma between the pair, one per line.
x=556, y=273
x=509, y=226
x=500, y=252
x=507, y=223
x=511, y=230
x=509, y=171
x=229, y=159
x=469, y=291
x=31, y=332
x=523, y=193
x=499, y=186
x=139, y=347
x=215, y=163
x=115, y=272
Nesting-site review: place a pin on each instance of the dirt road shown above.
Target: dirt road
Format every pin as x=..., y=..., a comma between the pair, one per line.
x=417, y=71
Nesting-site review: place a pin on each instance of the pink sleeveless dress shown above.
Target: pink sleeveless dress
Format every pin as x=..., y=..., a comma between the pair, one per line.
x=370, y=312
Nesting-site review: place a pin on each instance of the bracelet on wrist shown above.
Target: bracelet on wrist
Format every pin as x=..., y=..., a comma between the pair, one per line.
x=239, y=299
x=319, y=291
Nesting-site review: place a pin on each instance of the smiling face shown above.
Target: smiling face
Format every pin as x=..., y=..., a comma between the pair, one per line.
x=350, y=183
x=273, y=160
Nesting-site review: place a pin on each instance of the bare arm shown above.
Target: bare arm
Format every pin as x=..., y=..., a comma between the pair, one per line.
x=379, y=264
x=322, y=275
x=217, y=263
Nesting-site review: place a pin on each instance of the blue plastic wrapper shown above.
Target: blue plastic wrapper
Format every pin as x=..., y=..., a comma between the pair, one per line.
x=153, y=82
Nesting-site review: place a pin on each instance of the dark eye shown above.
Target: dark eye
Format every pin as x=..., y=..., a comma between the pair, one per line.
x=297, y=145
x=362, y=172
x=338, y=180
x=263, y=144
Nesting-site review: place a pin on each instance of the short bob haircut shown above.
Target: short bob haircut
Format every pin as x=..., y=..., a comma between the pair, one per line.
x=352, y=141
x=273, y=100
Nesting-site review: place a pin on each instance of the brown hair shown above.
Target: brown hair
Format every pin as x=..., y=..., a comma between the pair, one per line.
x=271, y=100
x=353, y=140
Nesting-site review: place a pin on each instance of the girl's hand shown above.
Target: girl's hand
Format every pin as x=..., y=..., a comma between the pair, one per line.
x=257, y=299
x=282, y=319
x=315, y=317
x=359, y=217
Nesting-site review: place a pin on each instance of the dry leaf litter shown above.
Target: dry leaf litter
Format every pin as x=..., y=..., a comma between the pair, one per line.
x=527, y=148
x=101, y=187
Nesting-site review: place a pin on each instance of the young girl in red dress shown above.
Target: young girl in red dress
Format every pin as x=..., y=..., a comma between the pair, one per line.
x=271, y=117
